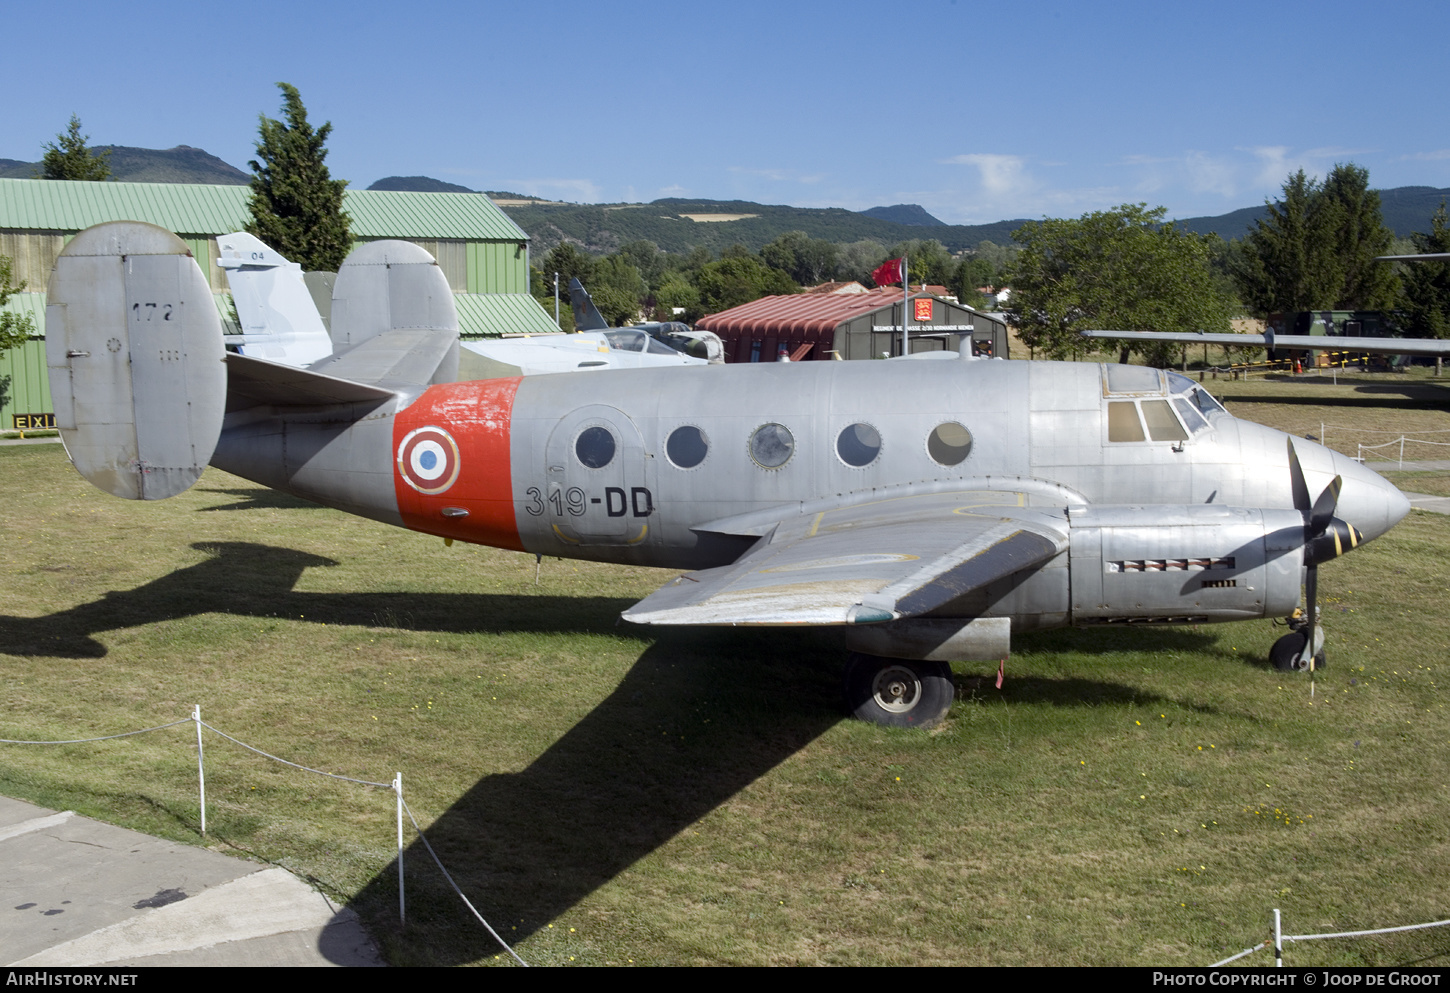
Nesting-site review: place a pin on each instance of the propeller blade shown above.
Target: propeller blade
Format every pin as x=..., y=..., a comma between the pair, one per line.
x=1323, y=511
x=1296, y=480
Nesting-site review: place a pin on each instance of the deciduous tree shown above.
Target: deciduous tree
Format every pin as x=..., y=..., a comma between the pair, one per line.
x=1121, y=269
x=296, y=205
x=68, y=157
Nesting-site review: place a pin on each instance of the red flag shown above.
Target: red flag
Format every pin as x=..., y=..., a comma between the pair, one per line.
x=890, y=272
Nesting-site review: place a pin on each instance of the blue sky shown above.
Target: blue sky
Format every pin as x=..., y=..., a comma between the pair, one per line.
x=977, y=111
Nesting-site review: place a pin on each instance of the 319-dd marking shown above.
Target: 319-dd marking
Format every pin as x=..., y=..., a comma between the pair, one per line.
x=636, y=502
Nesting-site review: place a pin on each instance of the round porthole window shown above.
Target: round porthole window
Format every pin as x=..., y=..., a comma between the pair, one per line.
x=595, y=447
x=771, y=446
x=949, y=443
x=858, y=444
x=687, y=446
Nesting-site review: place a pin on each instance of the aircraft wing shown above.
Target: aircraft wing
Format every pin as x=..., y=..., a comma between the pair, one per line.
x=866, y=563
x=1337, y=343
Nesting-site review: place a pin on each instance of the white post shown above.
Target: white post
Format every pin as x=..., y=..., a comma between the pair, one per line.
x=402, y=909
x=556, y=303
x=1402, y=451
x=905, y=297
x=200, y=768
x=1278, y=941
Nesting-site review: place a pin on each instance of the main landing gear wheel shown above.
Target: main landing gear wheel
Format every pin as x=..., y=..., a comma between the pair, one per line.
x=1287, y=653
x=898, y=693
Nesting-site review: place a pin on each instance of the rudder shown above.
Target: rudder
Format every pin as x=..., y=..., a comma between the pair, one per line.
x=136, y=362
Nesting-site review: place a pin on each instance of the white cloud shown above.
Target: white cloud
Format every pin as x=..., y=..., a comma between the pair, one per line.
x=1001, y=175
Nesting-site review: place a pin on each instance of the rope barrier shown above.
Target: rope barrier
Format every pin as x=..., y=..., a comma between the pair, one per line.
x=1269, y=942
x=78, y=741
x=395, y=787
x=424, y=839
x=330, y=775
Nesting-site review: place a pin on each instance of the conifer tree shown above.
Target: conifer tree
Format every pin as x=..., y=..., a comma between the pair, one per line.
x=68, y=157
x=296, y=205
x=1427, y=284
x=1315, y=250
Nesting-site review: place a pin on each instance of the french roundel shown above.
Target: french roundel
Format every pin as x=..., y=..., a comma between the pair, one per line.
x=428, y=460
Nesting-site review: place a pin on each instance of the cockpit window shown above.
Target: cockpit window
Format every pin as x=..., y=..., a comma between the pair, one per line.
x=1162, y=425
x=1196, y=394
x=1134, y=379
x=1123, y=423
x=626, y=341
x=1191, y=417
x=657, y=347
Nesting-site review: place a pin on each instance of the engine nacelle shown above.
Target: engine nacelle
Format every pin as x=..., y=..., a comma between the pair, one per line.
x=1184, y=564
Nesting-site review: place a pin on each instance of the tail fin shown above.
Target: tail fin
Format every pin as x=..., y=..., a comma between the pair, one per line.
x=278, y=317
x=586, y=316
x=139, y=375
x=133, y=346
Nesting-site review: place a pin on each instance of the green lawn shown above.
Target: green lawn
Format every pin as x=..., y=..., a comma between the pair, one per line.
x=607, y=795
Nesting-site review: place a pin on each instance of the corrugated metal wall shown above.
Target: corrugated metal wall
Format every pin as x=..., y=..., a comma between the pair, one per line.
x=29, y=389
x=497, y=267
x=34, y=254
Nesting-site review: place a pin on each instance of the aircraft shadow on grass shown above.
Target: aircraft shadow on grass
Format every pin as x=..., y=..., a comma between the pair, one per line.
x=701, y=715
x=698, y=718
x=246, y=579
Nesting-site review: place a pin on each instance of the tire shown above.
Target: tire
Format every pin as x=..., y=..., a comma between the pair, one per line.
x=1286, y=651
x=898, y=693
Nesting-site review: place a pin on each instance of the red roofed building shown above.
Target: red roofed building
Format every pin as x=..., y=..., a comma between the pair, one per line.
x=850, y=326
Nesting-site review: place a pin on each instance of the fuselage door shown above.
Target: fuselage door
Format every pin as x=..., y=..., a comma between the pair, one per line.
x=596, y=487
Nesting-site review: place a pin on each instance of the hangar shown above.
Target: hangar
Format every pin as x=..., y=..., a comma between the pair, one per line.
x=806, y=326
x=483, y=254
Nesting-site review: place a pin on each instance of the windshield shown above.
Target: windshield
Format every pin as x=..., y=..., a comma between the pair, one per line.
x=1195, y=394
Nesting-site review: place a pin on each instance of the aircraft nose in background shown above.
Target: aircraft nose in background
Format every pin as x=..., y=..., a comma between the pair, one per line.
x=1368, y=501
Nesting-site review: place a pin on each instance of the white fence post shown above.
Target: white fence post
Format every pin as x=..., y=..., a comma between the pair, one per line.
x=200, y=767
x=402, y=909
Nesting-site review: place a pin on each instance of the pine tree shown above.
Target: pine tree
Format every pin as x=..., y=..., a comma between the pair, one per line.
x=1284, y=264
x=68, y=157
x=1427, y=284
x=1315, y=250
x=1360, y=235
x=296, y=205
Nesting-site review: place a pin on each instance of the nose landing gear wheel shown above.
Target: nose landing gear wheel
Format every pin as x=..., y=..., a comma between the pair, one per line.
x=901, y=693
x=1287, y=653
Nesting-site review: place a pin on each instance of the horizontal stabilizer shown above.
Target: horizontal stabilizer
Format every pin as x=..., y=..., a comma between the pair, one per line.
x=259, y=381
x=403, y=359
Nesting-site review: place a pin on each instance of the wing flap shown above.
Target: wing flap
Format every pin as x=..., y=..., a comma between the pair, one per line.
x=865, y=564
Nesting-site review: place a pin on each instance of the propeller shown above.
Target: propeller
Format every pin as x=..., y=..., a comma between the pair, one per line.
x=1325, y=537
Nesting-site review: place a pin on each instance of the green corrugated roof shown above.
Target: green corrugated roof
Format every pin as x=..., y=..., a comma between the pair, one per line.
x=471, y=216
x=193, y=209
x=494, y=314
x=33, y=305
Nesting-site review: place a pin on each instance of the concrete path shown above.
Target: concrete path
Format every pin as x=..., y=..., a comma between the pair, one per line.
x=81, y=893
x=1424, y=501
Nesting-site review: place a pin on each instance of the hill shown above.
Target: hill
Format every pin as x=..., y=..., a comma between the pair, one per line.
x=182, y=164
x=1406, y=209
x=418, y=184
x=905, y=213
x=677, y=225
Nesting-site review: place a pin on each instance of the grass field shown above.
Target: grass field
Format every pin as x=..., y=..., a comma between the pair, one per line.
x=607, y=795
